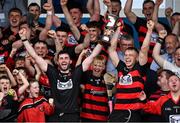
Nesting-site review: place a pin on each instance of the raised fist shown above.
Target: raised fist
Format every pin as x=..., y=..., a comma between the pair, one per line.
x=52, y=34
x=23, y=33
x=51, y=101
x=159, y=2
x=107, y=2
x=48, y=6
x=84, y=27
x=63, y=2
x=15, y=72
x=150, y=25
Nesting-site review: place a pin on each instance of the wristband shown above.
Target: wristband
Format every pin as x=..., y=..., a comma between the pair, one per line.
x=23, y=40
x=160, y=40
x=49, y=12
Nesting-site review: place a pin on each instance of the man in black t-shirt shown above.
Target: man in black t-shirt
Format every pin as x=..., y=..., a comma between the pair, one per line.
x=64, y=83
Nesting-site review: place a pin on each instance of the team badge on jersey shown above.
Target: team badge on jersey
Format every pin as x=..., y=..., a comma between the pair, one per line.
x=125, y=80
x=64, y=85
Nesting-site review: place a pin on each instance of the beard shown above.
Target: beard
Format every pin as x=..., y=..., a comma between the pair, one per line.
x=62, y=68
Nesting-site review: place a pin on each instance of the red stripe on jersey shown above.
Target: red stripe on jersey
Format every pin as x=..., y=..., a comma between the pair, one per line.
x=128, y=95
x=134, y=106
x=95, y=107
x=95, y=88
x=95, y=98
x=141, y=39
x=142, y=29
x=94, y=116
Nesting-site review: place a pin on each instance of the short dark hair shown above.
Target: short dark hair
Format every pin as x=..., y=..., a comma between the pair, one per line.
x=118, y=1
x=134, y=49
x=62, y=52
x=19, y=58
x=126, y=37
x=148, y=1
x=5, y=77
x=62, y=28
x=33, y=4
x=43, y=42
x=15, y=10
x=93, y=24
x=73, y=4
x=175, y=14
x=168, y=73
x=22, y=68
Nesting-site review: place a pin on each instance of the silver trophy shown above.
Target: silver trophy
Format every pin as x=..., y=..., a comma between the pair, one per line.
x=111, y=25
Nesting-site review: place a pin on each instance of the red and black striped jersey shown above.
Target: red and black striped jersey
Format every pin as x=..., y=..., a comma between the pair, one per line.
x=130, y=84
x=95, y=99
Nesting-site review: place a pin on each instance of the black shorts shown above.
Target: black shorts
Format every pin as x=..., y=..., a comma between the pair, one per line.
x=64, y=117
x=125, y=116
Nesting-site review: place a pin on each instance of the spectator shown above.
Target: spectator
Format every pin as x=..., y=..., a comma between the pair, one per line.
x=7, y=5
x=169, y=101
x=35, y=107
x=175, y=66
x=171, y=43
x=8, y=101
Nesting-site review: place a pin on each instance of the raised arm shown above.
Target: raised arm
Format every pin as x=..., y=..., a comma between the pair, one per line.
x=176, y=29
x=156, y=10
x=49, y=8
x=11, y=77
x=109, y=5
x=25, y=35
x=143, y=54
x=69, y=19
x=128, y=11
x=96, y=14
x=89, y=7
x=157, y=48
x=112, y=49
x=157, y=26
x=168, y=13
x=87, y=62
x=85, y=44
x=25, y=85
x=81, y=56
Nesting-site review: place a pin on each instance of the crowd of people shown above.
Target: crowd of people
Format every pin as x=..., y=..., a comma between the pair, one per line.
x=74, y=72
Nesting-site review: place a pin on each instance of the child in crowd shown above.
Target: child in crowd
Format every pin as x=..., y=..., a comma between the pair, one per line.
x=8, y=100
x=22, y=83
x=34, y=108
